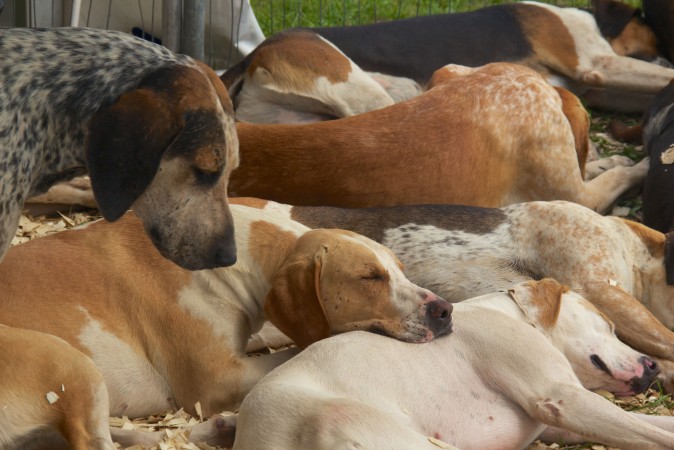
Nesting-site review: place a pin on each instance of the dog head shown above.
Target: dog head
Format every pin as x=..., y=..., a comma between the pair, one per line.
x=586, y=338
x=624, y=29
x=335, y=281
x=166, y=149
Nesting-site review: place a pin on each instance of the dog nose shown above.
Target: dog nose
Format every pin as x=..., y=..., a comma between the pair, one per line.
x=439, y=317
x=225, y=255
x=651, y=367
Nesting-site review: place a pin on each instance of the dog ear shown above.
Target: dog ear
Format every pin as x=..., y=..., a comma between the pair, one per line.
x=539, y=301
x=125, y=145
x=294, y=303
x=612, y=16
x=669, y=257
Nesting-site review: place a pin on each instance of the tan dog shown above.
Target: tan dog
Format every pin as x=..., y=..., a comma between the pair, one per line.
x=470, y=139
x=497, y=382
x=164, y=337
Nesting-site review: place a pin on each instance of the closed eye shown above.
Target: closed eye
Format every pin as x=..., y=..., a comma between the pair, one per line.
x=205, y=178
x=376, y=276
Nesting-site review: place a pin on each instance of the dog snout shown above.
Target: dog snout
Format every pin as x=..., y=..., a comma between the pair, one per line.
x=439, y=316
x=225, y=256
x=651, y=368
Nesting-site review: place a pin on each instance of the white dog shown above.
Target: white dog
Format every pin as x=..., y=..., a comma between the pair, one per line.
x=482, y=387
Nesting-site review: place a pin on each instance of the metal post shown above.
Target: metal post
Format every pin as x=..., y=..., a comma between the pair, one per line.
x=194, y=24
x=171, y=24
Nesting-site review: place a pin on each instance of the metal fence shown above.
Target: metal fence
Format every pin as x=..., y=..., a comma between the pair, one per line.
x=223, y=32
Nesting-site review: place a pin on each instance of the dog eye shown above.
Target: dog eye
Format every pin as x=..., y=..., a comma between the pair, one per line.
x=205, y=178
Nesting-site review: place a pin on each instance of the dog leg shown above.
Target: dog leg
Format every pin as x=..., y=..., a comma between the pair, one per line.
x=629, y=74
x=604, y=190
x=635, y=324
x=595, y=168
x=580, y=411
x=554, y=434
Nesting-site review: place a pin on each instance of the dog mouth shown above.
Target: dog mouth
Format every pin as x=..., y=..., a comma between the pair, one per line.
x=412, y=332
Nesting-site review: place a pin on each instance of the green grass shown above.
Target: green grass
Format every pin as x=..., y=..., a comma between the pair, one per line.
x=277, y=15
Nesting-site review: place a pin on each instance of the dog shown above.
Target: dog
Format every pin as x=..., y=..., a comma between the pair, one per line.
x=296, y=76
x=589, y=54
x=164, y=337
x=154, y=130
x=461, y=252
x=656, y=133
x=495, y=382
x=659, y=16
x=479, y=148
x=658, y=139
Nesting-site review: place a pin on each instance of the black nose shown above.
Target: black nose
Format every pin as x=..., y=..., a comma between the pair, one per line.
x=439, y=317
x=225, y=256
x=651, y=367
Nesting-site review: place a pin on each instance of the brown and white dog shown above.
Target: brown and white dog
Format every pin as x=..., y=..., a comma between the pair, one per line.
x=164, y=337
x=489, y=136
x=497, y=382
x=299, y=75
x=460, y=252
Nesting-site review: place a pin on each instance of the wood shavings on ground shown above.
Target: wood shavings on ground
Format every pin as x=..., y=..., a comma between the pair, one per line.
x=35, y=227
x=175, y=425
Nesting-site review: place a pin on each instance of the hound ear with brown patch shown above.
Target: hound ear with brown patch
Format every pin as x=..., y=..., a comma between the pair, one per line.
x=669, y=257
x=539, y=301
x=294, y=302
x=125, y=145
x=612, y=16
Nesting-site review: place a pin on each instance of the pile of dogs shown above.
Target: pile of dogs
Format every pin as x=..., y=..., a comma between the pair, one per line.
x=445, y=272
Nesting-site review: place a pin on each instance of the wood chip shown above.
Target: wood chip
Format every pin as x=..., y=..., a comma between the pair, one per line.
x=667, y=157
x=612, y=282
x=440, y=443
x=52, y=397
x=197, y=408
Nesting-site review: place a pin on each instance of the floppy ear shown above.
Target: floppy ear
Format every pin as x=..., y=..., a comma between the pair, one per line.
x=539, y=301
x=294, y=304
x=612, y=16
x=669, y=257
x=125, y=145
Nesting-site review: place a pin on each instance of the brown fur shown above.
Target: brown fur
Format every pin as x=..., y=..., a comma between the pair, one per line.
x=652, y=239
x=299, y=49
x=579, y=120
x=475, y=151
x=552, y=43
x=542, y=298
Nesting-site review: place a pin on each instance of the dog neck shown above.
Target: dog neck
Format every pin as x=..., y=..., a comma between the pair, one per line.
x=238, y=292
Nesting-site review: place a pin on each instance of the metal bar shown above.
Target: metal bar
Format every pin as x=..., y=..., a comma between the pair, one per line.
x=194, y=23
x=171, y=24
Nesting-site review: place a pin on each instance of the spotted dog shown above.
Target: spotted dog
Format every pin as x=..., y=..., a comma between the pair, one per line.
x=154, y=130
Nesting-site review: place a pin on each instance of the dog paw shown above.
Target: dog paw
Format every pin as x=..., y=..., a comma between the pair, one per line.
x=217, y=431
x=595, y=168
